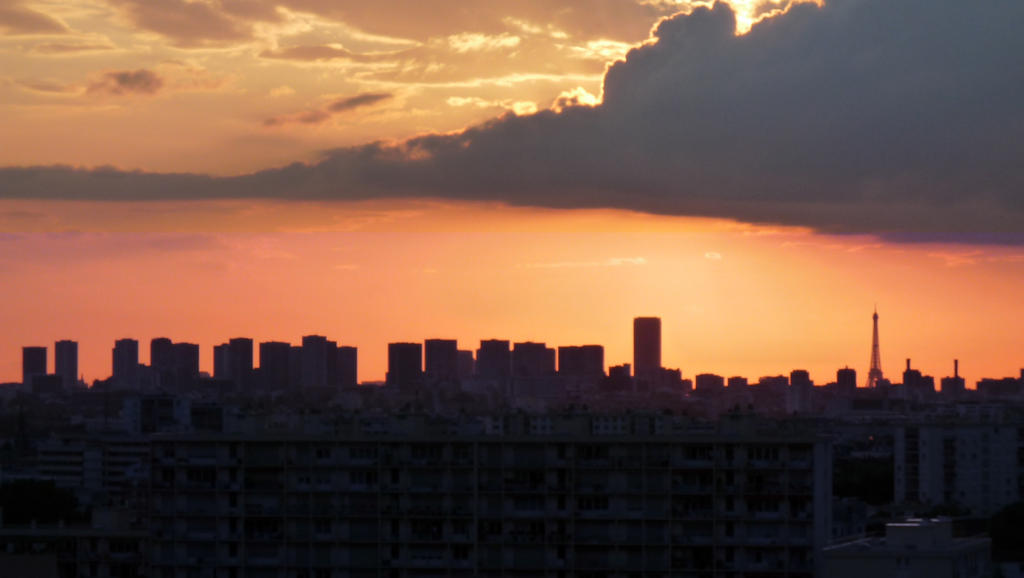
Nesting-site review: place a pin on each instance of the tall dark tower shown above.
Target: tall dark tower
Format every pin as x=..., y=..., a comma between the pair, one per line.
x=646, y=346
x=875, y=373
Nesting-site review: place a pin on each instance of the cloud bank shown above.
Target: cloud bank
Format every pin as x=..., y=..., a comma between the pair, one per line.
x=878, y=116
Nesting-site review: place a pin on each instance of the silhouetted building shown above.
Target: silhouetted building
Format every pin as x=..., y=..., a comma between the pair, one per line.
x=530, y=359
x=737, y=382
x=954, y=386
x=332, y=363
x=467, y=365
x=274, y=359
x=315, y=350
x=186, y=361
x=442, y=360
x=241, y=356
x=66, y=361
x=798, y=399
x=582, y=361
x=405, y=363
x=620, y=378
x=47, y=383
x=222, y=361
x=646, y=347
x=295, y=365
x=494, y=359
x=126, y=362
x=846, y=381
x=709, y=383
x=33, y=363
x=915, y=385
x=348, y=366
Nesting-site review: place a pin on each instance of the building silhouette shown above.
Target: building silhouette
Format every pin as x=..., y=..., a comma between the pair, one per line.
x=348, y=366
x=581, y=361
x=126, y=362
x=274, y=362
x=33, y=363
x=531, y=359
x=315, y=352
x=494, y=359
x=405, y=365
x=442, y=360
x=65, y=357
x=646, y=347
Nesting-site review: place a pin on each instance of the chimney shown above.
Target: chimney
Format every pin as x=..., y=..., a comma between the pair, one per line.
x=956, y=368
x=908, y=364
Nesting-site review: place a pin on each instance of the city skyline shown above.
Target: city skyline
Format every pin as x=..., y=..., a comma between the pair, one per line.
x=430, y=356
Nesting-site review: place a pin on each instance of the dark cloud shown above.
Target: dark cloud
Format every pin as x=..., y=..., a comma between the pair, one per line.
x=341, y=105
x=358, y=101
x=17, y=19
x=864, y=116
x=121, y=82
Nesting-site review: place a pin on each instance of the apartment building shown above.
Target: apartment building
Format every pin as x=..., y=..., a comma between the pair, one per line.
x=972, y=464
x=574, y=498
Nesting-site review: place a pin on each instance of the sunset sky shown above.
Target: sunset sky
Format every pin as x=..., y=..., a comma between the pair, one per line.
x=760, y=175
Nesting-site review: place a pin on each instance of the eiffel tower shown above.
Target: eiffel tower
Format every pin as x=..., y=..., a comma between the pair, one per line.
x=875, y=373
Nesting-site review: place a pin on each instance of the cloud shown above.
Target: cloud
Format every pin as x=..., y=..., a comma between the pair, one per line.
x=68, y=48
x=338, y=106
x=475, y=42
x=16, y=19
x=123, y=82
x=869, y=116
x=358, y=101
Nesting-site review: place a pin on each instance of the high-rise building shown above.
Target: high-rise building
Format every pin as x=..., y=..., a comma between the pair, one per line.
x=646, y=347
x=314, y=360
x=846, y=380
x=161, y=359
x=186, y=361
x=274, y=364
x=33, y=363
x=126, y=362
x=241, y=357
x=531, y=359
x=222, y=361
x=348, y=366
x=467, y=365
x=442, y=360
x=405, y=365
x=581, y=361
x=66, y=361
x=494, y=359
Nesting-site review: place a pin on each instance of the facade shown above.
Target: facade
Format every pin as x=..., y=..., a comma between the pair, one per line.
x=912, y=549
x=348, y=366
x=968, y=464
x=558, y=498
x=532, y=360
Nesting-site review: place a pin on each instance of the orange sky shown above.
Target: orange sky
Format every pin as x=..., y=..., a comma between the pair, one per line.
x=226, y=87
x=734, y=298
